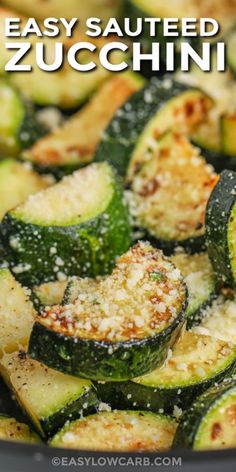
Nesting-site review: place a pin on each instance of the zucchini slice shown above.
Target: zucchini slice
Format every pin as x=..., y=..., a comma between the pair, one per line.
x=118, y=431
x=200, y=280
x=228, y=133
x=49, y=294
x=76, y=227
x=219, y=320
x=17, y=182
x=16, y=314
x=121, y=329
x=12, y=430
x=48, y=397
x=195, y=364
x=231, y=47
x=169, y=194
x=210, y=422
x=221, y=228
x=137, y=126
x=73, y=145
x=19, y=127
x=76, y=286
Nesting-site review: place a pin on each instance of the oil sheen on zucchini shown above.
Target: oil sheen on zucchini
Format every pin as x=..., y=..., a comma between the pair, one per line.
x=195, y=363
x=17, y=182
x=210, y=422
x=48, y=397
x=16, y=313
x=221, y=228
x=169, y=194
x=73, y=145
x=120, y=327
x=200, y=280
x=76, y=227
x=12, y=430
x=137, y=126
x=19, y=127
x=118, y=431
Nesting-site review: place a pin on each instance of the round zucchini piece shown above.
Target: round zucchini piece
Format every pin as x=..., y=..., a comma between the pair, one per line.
x=221, y=228
x=12, y=430
x=17, y=182
x=76, y=227
x=210, y=422
x=73, y=145
x=170, y=192
x=118, y=431
x=49, y=398
x=219, y=319
x=200, y=280
x=19, y=127
x=121, y=328
x=195, y=364
x=137, y=126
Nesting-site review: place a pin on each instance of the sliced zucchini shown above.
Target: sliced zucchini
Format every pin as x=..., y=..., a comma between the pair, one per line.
x=76, y=286
x=228, y=133
x=210, y=422
x=72, y=8
x=76, y=227
x=221, y=228
x=12, y=430
x=16, y=314
x=49, y=294
x=200, y=280
x=169, y=194
x=19, y=127
x=17, y=182
x=121, y=329
x=118, y=431
x=219, y=320
x=195, y=364
x=73, y=145
x=48, y=397
x=137, y=126
x=231, y=48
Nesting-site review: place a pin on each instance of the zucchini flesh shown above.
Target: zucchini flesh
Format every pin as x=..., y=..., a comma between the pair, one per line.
x=195, y=364
x=219, y=320
x=76, y=286
x=169, y=194
x=221, y=228
x=106, y=326
x=16, y=314
x=17, y=182
x=49, y=294
x=74, y=144
x=19, y=127
x=48, y=397
x=137, y=126
x=231, y=43
x=228, y=131
x=200, y=280
x=12, y=430
x=118, y=431
x=210, y=422
x=76, y=227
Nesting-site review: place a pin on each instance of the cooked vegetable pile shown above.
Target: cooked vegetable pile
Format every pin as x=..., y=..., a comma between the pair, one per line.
x=118, y=252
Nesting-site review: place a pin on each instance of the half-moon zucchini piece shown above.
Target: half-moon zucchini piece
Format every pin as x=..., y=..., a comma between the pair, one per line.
x=170, y=192
x=122, y=327
x=211, y=421
x=76, y=227
x=48, y=397
x=221, y=228
x=118, y=431
x=195, y=363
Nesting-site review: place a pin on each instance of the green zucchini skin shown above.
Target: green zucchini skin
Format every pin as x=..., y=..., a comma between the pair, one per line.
x=129, y=122
x=102, y=360
x=192, y=418
x=87, y=249
x=218, y=213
